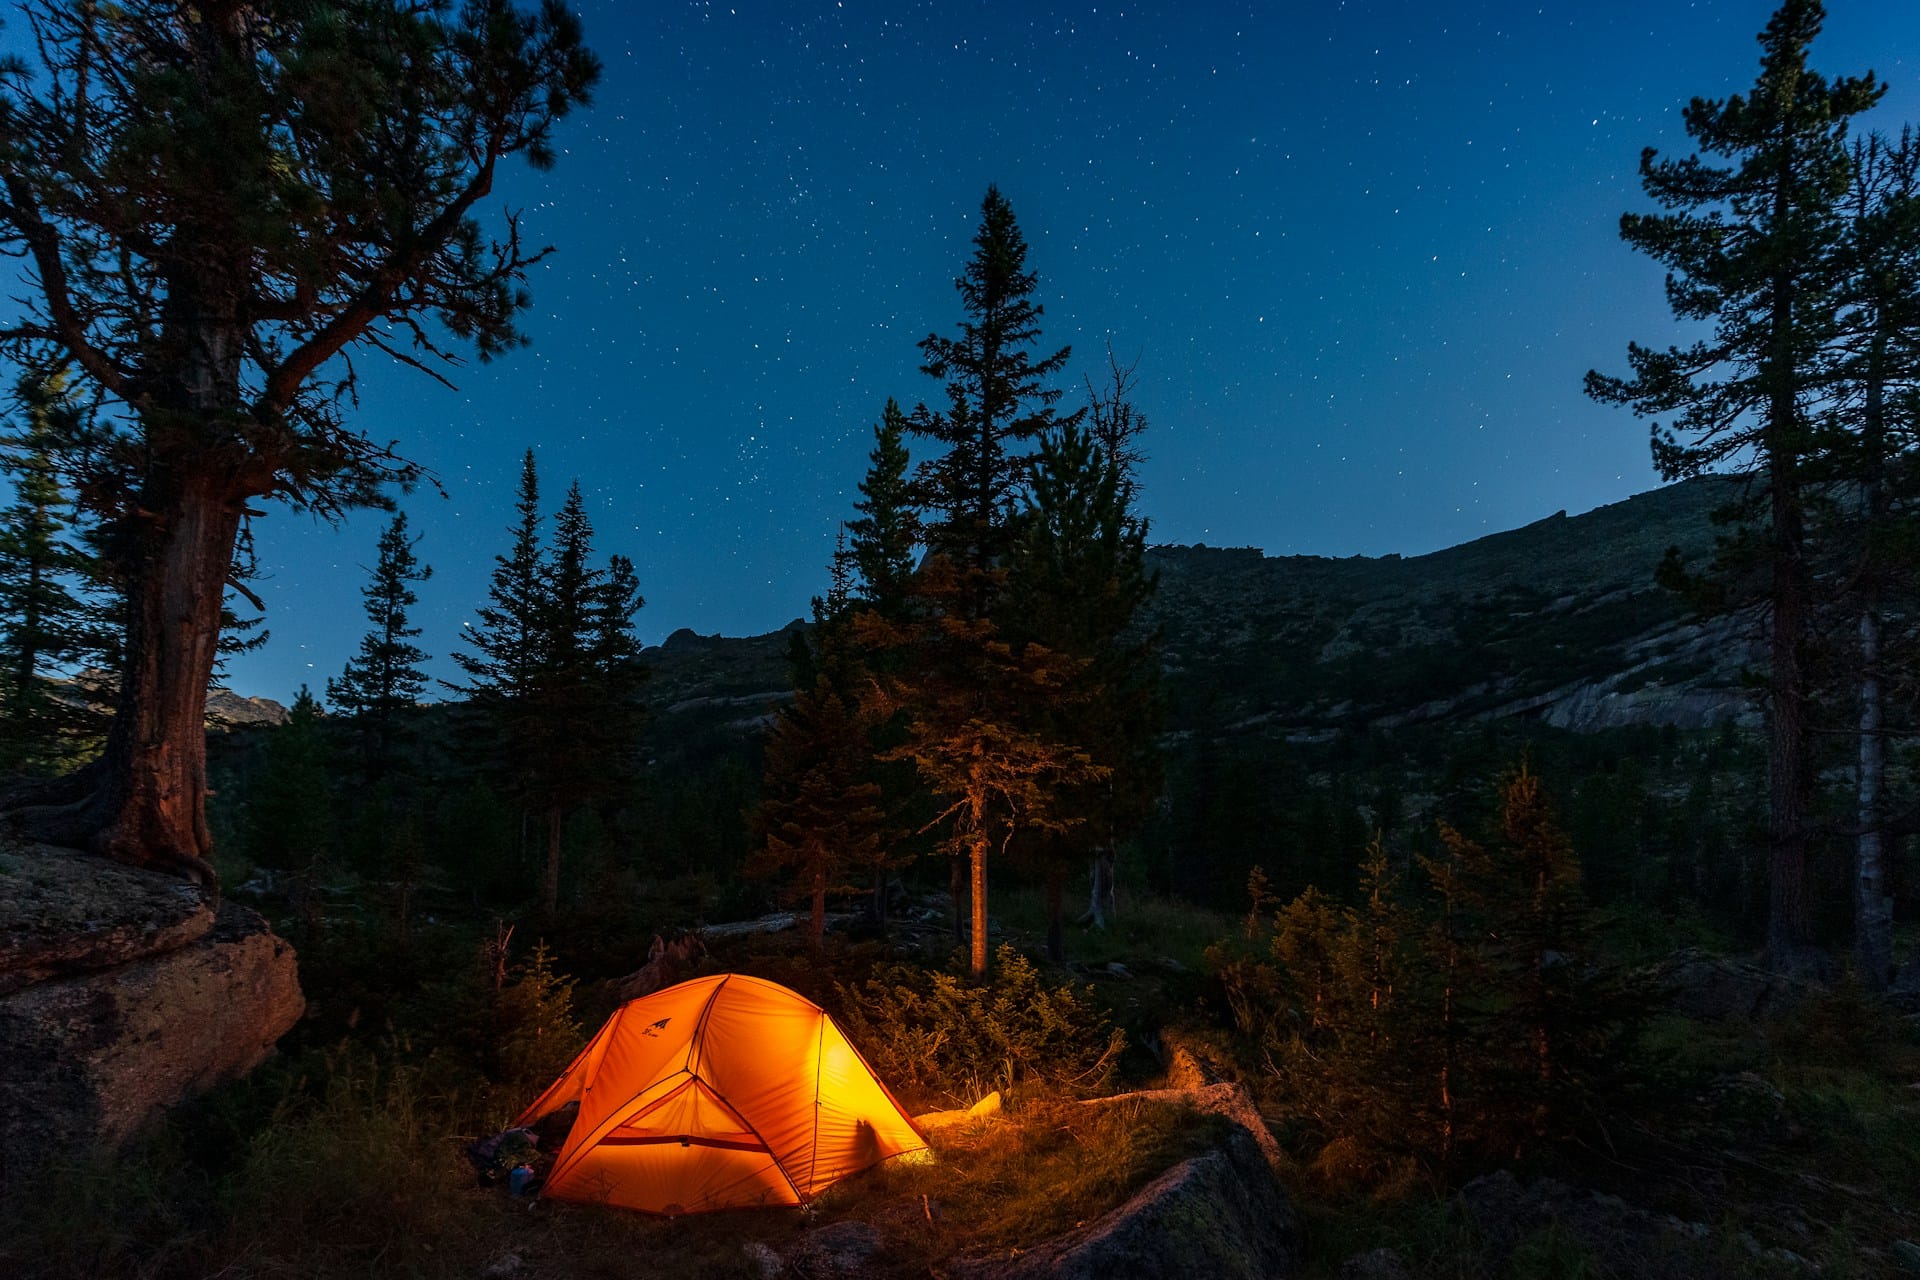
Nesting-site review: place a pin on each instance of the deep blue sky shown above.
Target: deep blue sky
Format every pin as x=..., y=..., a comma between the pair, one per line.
x=1364, y=250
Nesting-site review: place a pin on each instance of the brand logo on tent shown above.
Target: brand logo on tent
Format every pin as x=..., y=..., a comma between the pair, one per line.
x=655, y=1028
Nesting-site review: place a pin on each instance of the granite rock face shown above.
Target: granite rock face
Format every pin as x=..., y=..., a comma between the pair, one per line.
x=1219, y=1214
x=1705, y=986
x=123, y=995
x=62, y=912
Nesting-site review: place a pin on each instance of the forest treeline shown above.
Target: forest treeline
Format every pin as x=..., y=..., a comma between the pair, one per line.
x=978, y=692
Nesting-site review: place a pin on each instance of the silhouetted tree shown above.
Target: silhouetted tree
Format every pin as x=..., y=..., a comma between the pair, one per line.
x=819, y=819
x=1875, y=530
x=53, y=607
x=998, y=402
x=291, y=819
x=384, y=679
x=217, y=204
x=882, y=539
x=1751, y=249
x=1078, y=580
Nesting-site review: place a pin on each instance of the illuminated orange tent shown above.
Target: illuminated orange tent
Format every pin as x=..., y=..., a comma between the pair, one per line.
x=719, y=1093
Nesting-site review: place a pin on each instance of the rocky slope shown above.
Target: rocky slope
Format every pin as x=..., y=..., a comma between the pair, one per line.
x=121, y=993
x=1559, y=621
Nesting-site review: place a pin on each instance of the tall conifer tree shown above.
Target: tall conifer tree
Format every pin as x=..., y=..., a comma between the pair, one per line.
x=53, y=605
x=505, y=644
x=1751, y=251
x=1077, y=583
x=881, y=540
x=975, y=702
x=216, y=205
x=383, y=680
x=999, y=401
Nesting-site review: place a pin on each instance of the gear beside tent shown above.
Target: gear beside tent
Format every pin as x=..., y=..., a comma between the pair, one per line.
x=720, y=1093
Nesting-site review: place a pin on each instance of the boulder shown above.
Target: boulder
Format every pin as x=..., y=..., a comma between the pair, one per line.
x=1225, y=1099
x=1618, y=1238
x=62, y=911
x=838, y=1249
x=91, y=1057
x=1702, y=985
x=1220, y=1214
x=1375, y=1264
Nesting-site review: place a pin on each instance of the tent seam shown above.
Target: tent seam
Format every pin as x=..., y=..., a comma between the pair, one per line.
x=698, y=1037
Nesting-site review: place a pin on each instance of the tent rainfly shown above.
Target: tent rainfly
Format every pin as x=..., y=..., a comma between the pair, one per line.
x=720, y=1093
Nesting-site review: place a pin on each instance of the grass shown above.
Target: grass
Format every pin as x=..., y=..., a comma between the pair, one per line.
x=1145, y=930
x=367, y=1179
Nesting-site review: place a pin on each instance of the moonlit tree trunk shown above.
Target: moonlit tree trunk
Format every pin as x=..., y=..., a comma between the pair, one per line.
x=1873, y=907
x=550, y=889
x=1101, y=905
x=1056, y=934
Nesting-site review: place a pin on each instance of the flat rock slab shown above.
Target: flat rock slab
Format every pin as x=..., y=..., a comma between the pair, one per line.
x=1225, y=1099
x=1220, y=1215
x=90, y=1058
x=64, y=912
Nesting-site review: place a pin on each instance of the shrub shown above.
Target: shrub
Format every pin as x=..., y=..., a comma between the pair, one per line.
x=939, y=1034
x=535, y=1033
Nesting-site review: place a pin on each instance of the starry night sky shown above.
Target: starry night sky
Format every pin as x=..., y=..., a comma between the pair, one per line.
x=1364, y=257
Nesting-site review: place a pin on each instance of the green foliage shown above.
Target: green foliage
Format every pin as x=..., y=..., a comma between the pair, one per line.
x=884, y=535
x=1474, y=1021
x=383, y=680
x=534, y=1032
x=54, y=600
x=1077, y=584
x=998, y=397
x=292, y=816
x=945, y=1036
x=553, y=671
x=819, y=819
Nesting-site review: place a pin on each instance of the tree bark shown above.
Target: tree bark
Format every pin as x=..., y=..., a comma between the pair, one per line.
x=550, y=890
x=1788, y=778
x=1101, y=906
x=1873, y=908
x=1056, y=934
x=977, y=949
x=149, y=805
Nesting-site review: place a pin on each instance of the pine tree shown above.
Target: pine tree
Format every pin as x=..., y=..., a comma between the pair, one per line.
x=883, y=537
x=559, y=745
x=980, y=712
x=53, y=606
x=291, y=811
x=1077, y=582
x=998, y=400
x=819, y=819
x=572, y=726
x=1537, y=1025
x=384, y=679
x=219, y=204
x=976, y=703
x=506, y=643
x=1751, y=250
x=1877, y=534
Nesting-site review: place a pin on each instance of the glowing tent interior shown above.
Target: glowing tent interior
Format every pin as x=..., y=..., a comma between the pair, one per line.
x=719, y=1093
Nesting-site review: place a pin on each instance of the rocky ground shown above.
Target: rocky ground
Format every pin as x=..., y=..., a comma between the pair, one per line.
x=123, y=992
